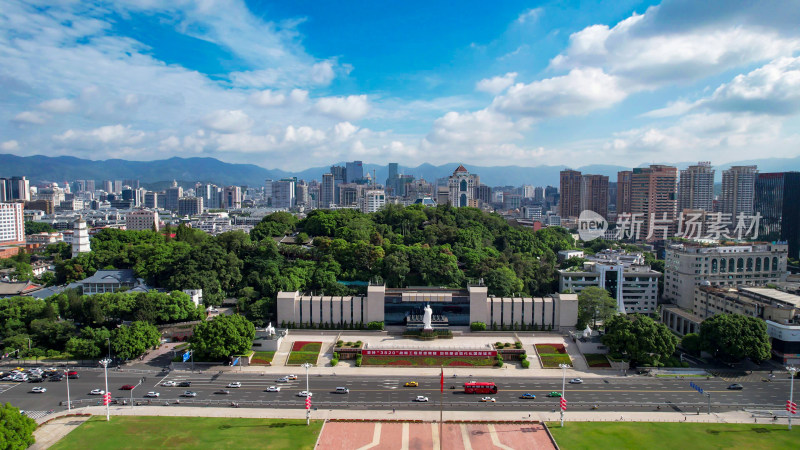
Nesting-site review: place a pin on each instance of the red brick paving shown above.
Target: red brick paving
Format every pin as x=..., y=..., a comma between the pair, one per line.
x=346, y=435
x=354, y=435
x=531, y=436
x=420, y=436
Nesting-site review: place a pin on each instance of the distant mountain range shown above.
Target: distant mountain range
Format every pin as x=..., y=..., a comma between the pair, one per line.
x=187, y=171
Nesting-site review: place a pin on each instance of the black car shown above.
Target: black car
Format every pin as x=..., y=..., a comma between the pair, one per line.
x=736, y=387
x=185, y=384
x=35, y=379
x=56, y=378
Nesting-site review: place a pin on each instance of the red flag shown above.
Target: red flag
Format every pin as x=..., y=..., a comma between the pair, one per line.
x=442, y=383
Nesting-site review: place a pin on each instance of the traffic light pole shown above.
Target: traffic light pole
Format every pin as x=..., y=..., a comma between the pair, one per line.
x=792, y=371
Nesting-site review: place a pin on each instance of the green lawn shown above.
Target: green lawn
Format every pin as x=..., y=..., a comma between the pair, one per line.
x=145, y=432
x=669, y=436
x=596, y=360
x=303, y=357
x=553, y=360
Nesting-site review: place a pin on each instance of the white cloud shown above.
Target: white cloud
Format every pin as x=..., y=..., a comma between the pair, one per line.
x=228, y=121
x=530, y=15
x=352, y=107
x=30, y=117
x=109, y=135
x=268, y=98
x=496, y=85
x=676, y=108
x=58, y=105
x=771, y=89
x=480, y=127
x=652, y=50
x=579, y=92
x=9, y=146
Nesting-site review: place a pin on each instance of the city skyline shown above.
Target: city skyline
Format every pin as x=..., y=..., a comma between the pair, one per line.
x=282, y=85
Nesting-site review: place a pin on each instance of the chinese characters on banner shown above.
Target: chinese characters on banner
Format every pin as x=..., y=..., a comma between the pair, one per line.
x=429, y=353
x=692, y=225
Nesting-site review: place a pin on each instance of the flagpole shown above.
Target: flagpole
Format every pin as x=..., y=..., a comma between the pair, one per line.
x=441, y=406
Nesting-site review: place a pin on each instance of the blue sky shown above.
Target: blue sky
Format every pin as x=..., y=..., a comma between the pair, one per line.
x=303, y=83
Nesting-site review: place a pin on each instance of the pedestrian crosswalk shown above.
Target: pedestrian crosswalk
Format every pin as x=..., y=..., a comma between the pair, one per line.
x=37, y=414
x=390, y=383
x=6, y=386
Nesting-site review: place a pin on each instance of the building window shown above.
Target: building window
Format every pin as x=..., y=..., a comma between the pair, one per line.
x=749, y=264
x=774, y=263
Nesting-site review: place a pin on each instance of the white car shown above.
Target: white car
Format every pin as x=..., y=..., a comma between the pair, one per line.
x=273, y=389
x=39, y=390
x=169, y=384
x=235, y=384
x=305, y=394
x=97, y=392
x=189, y=394
x=576, y=381
x=152, y=394
x=291, y=377
x=421, y=398
x=488, y=399
x=283, y=380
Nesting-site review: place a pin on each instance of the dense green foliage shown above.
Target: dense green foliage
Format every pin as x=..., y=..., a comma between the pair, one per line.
x=223, y=337
x=594, y=304
x=401, y=246
x=477, y=326
x=51, y=324
x=692, y=343
x=37, y=227
x=16, y=429
x=639, y=338
x=734, y=337
x=131, y=341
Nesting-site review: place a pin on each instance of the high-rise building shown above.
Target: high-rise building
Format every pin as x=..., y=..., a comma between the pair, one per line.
x=90, y=186
x=570, y=190
x=339, y=177
x=18, y=188
x=117, y=186
x=151, y=200
x=301, y=193
x=776, y=199
x=654, y=196
x=80, y=238
x=232, y=197
x=134, y=184
x=283, y=193
x=527, y=191
x=190, y=206
x=108, y=186
x=393, y=175
x=461, y=187
x=551, y=198
x=12, y=223
x=484, y=194
x=173, y=194
x=624, y=191
x=738, y=190
x=142, y=219
x=327, y=194
x=354, y=171
x=538, y=194
x=594, y=194
x=373, y=200
x=696, y=188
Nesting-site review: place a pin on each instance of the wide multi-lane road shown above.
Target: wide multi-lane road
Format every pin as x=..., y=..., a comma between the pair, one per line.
x=384, y=392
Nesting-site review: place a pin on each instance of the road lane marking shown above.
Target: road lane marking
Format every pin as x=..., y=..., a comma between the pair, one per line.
x=404, y=438
x=496, y=439
x=465, y=437
x=376, y=438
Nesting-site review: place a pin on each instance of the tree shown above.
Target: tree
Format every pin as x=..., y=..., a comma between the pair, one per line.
x=16, y=429
x=224, y=336
x=90, y=345
x=734, y=337
x=595, y=304
x=131, y=341
x=692, y=344
x=640, y=338
x=37, y=227
x=503, y=282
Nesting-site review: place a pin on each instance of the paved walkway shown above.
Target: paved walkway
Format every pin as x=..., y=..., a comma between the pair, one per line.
x=57, y=428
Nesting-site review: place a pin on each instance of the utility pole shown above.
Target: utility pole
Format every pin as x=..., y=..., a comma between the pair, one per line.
x=106, y=395
x=790, y=406
x=564, y=368
x=441, y=406
x=69, y=402
x=308, y=409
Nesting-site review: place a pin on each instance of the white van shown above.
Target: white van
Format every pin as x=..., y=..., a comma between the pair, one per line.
x=342, y=390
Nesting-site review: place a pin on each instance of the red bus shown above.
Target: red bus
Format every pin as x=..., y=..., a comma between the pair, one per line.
x=480, y=388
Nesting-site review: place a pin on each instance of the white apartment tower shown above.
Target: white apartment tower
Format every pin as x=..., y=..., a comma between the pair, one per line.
x=12, y=225
x=738, y=190
x=143, y=219
x=373, y=201
x=80, y=238
x=696, y=188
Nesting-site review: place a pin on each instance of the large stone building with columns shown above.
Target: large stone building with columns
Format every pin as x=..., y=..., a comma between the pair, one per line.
x=459, y=307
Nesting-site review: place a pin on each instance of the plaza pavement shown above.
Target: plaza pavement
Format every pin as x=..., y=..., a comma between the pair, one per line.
x=58, y=425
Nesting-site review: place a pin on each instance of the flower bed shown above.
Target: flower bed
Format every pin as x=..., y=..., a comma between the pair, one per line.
x=262, y=358
x=423, y=361
x=304, y=352
x=306, y=346
x=596, y=360
x=551, y=349
x=552, y=355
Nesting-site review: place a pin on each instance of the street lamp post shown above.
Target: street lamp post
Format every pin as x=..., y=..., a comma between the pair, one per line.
x=69, y=402
x=141, y=380
x=105, y=364
x=308, y=410
x=564, y=368
x=792, y=371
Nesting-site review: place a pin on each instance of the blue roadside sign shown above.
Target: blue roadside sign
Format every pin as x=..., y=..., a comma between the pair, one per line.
x=235, y=361
x=187, y=355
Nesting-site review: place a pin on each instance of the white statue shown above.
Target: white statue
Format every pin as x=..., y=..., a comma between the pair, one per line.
x=587, y=332
x=426, y=318
x=270, y=330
